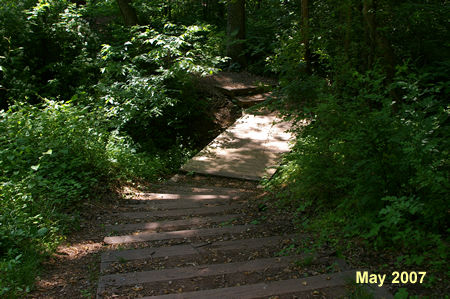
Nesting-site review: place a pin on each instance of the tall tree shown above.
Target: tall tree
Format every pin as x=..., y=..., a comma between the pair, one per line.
x=236, y=31
x=369, y=30
x=168, y=9
x=128, y=12
x=305, y=29
x=378, y=44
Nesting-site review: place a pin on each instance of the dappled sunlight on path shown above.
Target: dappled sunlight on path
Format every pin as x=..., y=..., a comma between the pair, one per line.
x=250, y=149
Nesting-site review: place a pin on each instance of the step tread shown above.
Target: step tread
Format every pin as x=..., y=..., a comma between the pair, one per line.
x=246, y=101
x=270, y=288
x=254, y=98
x=191, y=272
x=185, y=196
x=180, y=212
x=239, y=89
x=171, y=224
x=249, y=149
x=154, y=236
x=168, y=188
x=196, y=248
x=180, y=204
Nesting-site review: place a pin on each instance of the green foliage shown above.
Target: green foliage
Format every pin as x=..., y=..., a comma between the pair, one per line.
x=373, y=161
x=146, y=87
x=51, y=158
x=130, y=114
x=402, y=293
x=387, y=162
x=376, y=146
x=52, y=53
x=267, y=24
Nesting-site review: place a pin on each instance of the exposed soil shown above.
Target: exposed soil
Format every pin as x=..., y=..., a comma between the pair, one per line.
x=73, y=270
x=221, y=114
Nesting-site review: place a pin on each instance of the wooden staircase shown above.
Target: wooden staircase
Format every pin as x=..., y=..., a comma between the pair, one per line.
x=187, y=242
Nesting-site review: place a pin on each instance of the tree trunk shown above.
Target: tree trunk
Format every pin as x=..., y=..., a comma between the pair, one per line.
x=128, y=12
x=369, y=30
x=205, y=9
x=168, y=9
x=378, y=44
x=305, y=31
x=236, y=31
x=348, y=24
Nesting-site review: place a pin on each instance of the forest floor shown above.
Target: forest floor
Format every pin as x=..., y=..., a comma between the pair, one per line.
x=91, y=254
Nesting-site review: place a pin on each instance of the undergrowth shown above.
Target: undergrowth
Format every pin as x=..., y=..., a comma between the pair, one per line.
x=51, y=158
x=86, y=102
x=372, y=168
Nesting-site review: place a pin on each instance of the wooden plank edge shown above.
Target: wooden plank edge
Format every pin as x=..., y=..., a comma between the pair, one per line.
x=170, y=224
x=282, y=287
x=125, y=279
x=189, y=233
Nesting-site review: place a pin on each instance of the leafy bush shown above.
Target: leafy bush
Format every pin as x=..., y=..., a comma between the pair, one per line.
x=146, y=87
x=51, y=158
x=374, y=159
x=130, y=115
x=51, y=55
x=387, y=162
x=267, y=25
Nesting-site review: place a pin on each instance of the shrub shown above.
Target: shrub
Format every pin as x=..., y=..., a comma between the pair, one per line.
x=48, y=50
x=50, y=159
x=146, y=86
x=387, y=162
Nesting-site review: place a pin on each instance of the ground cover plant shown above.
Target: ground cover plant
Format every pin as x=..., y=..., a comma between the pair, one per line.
x=52, y=158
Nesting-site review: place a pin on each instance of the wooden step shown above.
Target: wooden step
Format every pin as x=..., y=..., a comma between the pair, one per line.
x=192, y=190
x=250, y=149
x=153, y=236
x=232, y=83
x=241, y=89
x=171, y=225
x=117, y=280
x=179, y=204
x=265, y=289
x=184, y=196
x=179, y=212
x=250, y=100
x=188, y=250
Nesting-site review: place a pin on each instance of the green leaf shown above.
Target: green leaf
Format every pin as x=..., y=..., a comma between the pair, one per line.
x=42, y=231
x=401, y=294
x=35, y=167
